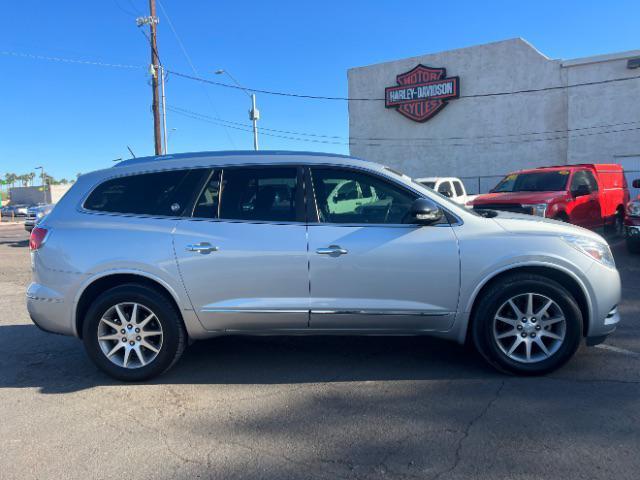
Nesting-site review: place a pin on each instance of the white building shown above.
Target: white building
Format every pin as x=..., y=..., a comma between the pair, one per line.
x=565, y=111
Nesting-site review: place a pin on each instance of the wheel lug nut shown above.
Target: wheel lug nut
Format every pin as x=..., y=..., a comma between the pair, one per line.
x=132, y=343
x=524, y=320
x=519, y=327
x=533, y=320
x=533, y=334
x=124, y=339
x=129, y=326
x=538, y=327
x=523, y=334
x=122, y=331
x=138, y=338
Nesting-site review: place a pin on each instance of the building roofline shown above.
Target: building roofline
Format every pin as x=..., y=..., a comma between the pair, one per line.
x=414, y=57
x=607, y=57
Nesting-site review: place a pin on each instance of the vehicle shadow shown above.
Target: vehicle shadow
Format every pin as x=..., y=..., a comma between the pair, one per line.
x=58, y=364
x=15, y=243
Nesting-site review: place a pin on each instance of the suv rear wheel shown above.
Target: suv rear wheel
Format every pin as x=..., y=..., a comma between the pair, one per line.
x=527, y=324
x=133, y=333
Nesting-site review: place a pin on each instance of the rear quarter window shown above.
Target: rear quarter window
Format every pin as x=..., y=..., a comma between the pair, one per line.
x=169, y=193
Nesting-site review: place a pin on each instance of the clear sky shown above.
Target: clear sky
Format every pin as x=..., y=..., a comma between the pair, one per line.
x=79, y=117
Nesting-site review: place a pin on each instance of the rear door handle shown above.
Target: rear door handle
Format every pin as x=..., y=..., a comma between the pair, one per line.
x=202, y=247
x=334, y=250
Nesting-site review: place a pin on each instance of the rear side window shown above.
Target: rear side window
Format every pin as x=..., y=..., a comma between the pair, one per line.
x=458, y=187
x=445, y=189
x=168, y=193
x=259, y=193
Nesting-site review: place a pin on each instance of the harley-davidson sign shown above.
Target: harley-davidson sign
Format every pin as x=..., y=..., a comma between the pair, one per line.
x=422, y=92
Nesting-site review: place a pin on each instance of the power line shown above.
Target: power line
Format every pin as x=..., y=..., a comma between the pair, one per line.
x=320, y=97
x=407, y=139
x=204, y=118
x=191, y=64
x=197, y=78
x=69, y=60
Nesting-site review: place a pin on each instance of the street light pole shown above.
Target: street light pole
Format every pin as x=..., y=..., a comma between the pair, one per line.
x=44, y=186
x=254, y=113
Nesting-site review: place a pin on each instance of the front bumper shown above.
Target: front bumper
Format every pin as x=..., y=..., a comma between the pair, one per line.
x=606, y=292
x=632, y=232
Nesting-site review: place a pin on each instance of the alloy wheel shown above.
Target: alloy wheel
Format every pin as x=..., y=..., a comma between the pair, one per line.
x=529, y=327
x=130, y=335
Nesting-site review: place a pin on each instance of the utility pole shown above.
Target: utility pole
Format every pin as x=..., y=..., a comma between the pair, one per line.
x=152, y=21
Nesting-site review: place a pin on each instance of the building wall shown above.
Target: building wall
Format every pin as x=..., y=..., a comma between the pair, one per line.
x=34, y=195
x=493, y=135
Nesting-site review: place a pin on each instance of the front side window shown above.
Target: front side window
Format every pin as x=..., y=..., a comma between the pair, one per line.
x=346, y=196
x=445, y=189
x=584, y=178
x=259, y=193
x=208, y=203
x=167, y=193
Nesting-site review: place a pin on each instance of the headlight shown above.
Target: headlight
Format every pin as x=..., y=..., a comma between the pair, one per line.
x=597, y=250
x=40, y=214
x=633, y=209
x=538, y=209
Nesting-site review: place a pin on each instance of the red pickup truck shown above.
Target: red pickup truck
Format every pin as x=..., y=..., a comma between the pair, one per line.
x=589, y=195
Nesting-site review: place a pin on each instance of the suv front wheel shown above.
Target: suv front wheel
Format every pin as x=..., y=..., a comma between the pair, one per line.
x=133, y=333
x=527, y=324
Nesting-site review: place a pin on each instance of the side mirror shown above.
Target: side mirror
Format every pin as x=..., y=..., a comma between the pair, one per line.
x=425, y=212
x=636, y=183
x=581, y=191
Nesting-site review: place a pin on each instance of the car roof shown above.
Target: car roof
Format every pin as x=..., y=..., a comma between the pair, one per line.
x=228, y=157
x=435, y=179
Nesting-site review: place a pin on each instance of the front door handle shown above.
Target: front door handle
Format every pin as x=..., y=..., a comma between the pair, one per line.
x=333, y=250
x=202, y=247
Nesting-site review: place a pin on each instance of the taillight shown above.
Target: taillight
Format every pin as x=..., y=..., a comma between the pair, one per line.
x=38, y=235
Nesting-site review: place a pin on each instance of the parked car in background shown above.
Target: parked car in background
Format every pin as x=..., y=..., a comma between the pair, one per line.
x=589, y=195
x=632, y=222
x=450, y=187
x=139, y=259
x=35, y=215
x=16, y=210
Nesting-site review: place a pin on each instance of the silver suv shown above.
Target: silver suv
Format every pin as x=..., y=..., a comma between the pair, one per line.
x=139, y=259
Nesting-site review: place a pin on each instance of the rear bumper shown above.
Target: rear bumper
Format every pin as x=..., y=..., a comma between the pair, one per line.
x=48, y=310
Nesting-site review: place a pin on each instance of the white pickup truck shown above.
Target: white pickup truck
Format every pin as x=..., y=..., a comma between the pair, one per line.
x=450, y=187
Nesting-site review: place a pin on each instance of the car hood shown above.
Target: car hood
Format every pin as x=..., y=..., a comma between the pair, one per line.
x=532, y=225
x=517, y=197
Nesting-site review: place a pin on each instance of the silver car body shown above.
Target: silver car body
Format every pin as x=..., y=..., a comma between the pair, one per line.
x=266, y=278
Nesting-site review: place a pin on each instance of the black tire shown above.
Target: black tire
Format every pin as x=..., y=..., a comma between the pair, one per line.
x=617, y=227
x=499, y=293
x=633, y=246
x=173, y=339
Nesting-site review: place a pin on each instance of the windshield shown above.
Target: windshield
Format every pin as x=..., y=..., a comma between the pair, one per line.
x=551, y=181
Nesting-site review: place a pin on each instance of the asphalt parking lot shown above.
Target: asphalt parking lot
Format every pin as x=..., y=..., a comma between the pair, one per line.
x=324, y=407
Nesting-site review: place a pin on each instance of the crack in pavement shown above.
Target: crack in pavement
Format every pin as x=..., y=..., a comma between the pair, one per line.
x=465, y=433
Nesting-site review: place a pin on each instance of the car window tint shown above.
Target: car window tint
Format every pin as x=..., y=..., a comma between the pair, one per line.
x=458, y=186
x=208, y=202
x=376, y=200
x=263, y=194
x=167, y=193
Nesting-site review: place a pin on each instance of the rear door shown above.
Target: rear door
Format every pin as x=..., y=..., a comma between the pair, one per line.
x=371, y=271
x=243, y=254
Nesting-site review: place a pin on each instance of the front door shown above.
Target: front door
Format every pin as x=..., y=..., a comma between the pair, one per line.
x=371, y=271
x=587, y=211
x=243, y=254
